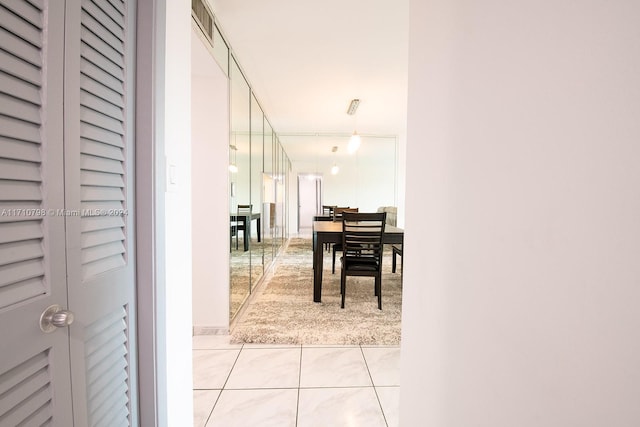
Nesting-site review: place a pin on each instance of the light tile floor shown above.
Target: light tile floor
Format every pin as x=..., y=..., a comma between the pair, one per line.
x=262, y=385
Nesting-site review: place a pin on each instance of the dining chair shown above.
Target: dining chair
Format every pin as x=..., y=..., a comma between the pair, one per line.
x=337, y=247
x=362, y=249
x=243, y=223
x=327, y=210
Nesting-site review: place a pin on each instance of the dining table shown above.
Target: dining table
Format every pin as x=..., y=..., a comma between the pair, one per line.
x=331, y=232
x=246, y=221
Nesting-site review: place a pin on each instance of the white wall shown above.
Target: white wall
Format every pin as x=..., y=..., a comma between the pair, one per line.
x=209, y=179
x=174, y=294
x=522, y=272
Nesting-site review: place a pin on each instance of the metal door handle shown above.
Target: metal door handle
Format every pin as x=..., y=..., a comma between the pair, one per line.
x=55, y=317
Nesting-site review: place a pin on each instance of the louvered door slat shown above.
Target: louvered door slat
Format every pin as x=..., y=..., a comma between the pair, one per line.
x=19, y=88
x=101, y=193
x=106, y=360
x=20, y=48
x=42, y=417
x=20, y=251
x=20, y=231
x=26, y=11
x=13, y=377
x=106, y=341
x=100, y=75
x=16, y=190
x=19, y=68
x=112, y=206
x=28, y=387
x=99, y=377
x=91, y=86
x=99, y=149
x=25, y=210
x=114, y=386
x=20, y=291
x=102, y=237
x=95, y=223
x=19, y=171
x=102, y=121
x=101, y=164
x=118, y=387
x=96, y=36
x=39, y=4
x=101, y=179
x=33, y=404
x=17, y=108
x=25, y=391
x=100, y=266
x=96, y=253
x=19, y=150
x=117, y=419
x=106, y=30
x=101, y=105
x=93, y=133
x=112, y=405
x=20, y=272
x=112, y=10
x=22, y=27
x=97, y=15
x=18, y=129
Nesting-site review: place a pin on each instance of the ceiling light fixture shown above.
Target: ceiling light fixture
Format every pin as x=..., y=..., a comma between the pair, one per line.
x=353, y=107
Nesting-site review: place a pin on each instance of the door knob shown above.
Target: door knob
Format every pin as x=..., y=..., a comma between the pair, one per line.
x=55, y=317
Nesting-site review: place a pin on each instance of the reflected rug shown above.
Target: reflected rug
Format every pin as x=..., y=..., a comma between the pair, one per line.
x=283, y=312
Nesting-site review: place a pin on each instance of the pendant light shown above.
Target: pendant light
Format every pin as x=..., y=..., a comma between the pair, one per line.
x=354, y=141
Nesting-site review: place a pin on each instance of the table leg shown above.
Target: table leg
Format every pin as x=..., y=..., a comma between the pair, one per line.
x=318, y=253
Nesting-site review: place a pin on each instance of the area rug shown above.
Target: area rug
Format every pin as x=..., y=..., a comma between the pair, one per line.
x=283, y=312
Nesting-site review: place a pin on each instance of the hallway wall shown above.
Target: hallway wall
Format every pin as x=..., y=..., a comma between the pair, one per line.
x=521, y=273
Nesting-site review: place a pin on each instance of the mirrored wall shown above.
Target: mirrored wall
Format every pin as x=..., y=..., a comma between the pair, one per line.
x=257, y=195
x=259, y=172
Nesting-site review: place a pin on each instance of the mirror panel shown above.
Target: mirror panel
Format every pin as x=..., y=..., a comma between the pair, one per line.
x=257, y=131
x=240, y=191
x=268, y=194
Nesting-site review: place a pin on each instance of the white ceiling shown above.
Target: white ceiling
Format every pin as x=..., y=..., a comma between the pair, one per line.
x=306, y=60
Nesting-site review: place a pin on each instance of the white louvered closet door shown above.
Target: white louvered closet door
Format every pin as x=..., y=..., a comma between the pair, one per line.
x=66, y=212
x=34, y=366
x=98, y=153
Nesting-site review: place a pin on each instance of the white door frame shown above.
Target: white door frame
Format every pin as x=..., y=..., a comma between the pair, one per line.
x=149, y=201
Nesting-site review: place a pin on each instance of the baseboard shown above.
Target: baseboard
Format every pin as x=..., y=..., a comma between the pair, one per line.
x=210, y=330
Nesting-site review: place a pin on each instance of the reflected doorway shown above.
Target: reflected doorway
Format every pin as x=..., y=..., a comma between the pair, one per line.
x=309, y=200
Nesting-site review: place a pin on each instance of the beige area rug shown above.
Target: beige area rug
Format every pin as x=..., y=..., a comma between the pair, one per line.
x=283, y=312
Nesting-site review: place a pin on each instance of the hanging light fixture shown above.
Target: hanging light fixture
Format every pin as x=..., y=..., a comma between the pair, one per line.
x=354, y=141
x=232, y=166
x=334, y=169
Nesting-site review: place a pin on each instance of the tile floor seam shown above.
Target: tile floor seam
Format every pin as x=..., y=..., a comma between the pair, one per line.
x=299, y=384
x=384, y=416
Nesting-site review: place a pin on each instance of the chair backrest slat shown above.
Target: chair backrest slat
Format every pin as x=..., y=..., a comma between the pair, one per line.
x=362, y=234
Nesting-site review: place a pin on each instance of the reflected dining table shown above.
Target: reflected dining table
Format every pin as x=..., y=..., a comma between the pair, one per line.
x=331, y=232
x=245, y=220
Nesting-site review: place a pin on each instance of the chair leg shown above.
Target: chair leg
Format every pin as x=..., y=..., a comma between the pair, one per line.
x=393, y=262
x=379, y=291
x=333, y=262
x=343, y=287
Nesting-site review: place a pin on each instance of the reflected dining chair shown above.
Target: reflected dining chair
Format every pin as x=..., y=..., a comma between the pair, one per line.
x=243, y=223
x=362, y=249
x=337, y=247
